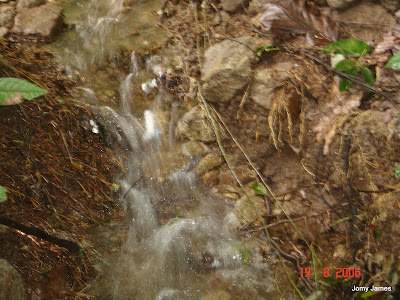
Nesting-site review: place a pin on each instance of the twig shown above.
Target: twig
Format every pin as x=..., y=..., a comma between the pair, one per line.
x=70, y=246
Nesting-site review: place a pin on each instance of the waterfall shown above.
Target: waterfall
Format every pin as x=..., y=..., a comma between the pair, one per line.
x=181, y=242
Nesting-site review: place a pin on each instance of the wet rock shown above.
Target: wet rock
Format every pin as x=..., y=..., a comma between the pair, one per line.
x=248, y=210
x=232, y=5
x=196, y=126
x=265, y=81
x=11, y=283
x=339, y=4
x=210, y=177
x=7, y=13
x=29, y=3
x=227, y=69
x=194, y=148
x=38, y=23
x=391, y=5
x=208, y=162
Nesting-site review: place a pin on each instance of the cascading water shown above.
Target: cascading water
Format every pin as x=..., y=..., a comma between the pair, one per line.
x=194, y=254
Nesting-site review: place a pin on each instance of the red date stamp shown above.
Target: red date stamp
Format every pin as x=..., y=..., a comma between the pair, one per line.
x=337, y=273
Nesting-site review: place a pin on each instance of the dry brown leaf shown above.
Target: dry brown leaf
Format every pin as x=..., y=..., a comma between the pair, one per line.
x=296, y=16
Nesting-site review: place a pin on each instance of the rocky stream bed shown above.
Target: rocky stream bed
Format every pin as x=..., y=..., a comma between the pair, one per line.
x=229, y=115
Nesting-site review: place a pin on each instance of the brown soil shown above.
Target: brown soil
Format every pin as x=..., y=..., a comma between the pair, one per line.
x=332, y=172
x=58, y=174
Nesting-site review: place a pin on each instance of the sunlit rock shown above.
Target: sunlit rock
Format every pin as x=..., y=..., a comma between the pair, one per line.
x=38, y=23
x=227, y=69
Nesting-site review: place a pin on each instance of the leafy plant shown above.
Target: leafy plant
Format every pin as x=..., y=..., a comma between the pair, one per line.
x=3, y=194
x=394, y=62
x=343, y=50
x=14, y=89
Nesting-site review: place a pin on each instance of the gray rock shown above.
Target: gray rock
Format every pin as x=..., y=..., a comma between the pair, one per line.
x=227, y=69
x=29, y=3
x=7, y=13
x=339, y=4
x=38, y=23
x=195, y=126
x=11, y=283
x=391, y=5
x=194, y=148
x=265, y=81
x=397, y=14
x=232, y=5
x=207, y=163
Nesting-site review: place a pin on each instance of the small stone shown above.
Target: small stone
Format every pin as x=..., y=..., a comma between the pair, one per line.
x=248, y=209
x=38, y=22
x=339, y=4
x=11, y=283
x=3, y=32
x=244, y=173
x=391, y=5
x=195, y=126
x=208, y=162
x=7, y=13
x=265, y=81
x=210, y=177
x=194, y=148
x=232, y=5
x=256, y=6
x=29, y=3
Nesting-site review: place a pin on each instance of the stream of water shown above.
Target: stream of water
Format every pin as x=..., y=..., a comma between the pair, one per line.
x=188, y=249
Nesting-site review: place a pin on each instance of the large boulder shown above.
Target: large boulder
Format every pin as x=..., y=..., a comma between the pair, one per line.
x=11, y=283
x=38, y=23
x=227, y=69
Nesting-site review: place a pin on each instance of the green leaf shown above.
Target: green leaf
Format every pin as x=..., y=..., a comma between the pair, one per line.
x=330, y=280
x=367, y=75
x=394, y=62
x=3, y=194
x=344, y=84
x=366, y=294
x=246, y=255
x=349, y=47
x=347, y=66
x=397, y=172
x=398, y=114
x=259, y=188
x=9, y=86
x=378, y=234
